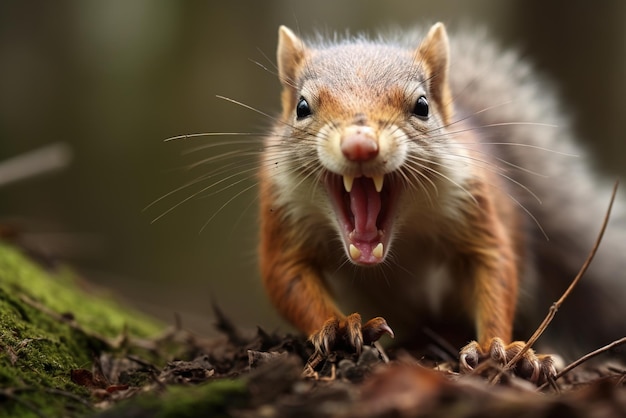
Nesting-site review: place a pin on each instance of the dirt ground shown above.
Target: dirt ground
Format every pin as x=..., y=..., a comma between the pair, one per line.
x=278, y=376
x=115, y=368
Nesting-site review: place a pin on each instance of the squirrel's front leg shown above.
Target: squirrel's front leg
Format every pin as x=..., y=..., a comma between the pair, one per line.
x=295, y=285
x=494, y=287
x=495, y=297
x=299, y=294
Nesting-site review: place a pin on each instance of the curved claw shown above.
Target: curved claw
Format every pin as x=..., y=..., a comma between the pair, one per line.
x=349, y=332
x=325, y=338
x=548, y=367
x=353, y=332
x=326, y=345
x=374, y=329
x=469, y=356
x=497, y=351
x=536, y=371
x=532, y=367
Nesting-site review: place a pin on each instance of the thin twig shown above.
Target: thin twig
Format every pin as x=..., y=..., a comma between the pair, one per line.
x=381, y=351
x=587, y=357
x=556, y=305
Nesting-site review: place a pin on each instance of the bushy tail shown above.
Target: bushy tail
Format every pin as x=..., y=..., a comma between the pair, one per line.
x=521, y=122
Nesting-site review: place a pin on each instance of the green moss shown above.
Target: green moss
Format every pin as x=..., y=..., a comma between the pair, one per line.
x=207, y=400
x=37, y=350
x=211, y=400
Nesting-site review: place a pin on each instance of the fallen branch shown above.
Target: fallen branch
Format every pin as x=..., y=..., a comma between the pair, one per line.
x=43, y=160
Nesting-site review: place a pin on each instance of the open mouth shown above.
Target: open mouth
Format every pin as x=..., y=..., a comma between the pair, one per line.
x=364, y=207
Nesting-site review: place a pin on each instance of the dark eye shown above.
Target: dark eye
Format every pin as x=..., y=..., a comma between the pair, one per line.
x=302, y=108
x=421, y=108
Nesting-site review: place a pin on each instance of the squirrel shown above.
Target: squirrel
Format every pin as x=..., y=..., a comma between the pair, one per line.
x=418, y=178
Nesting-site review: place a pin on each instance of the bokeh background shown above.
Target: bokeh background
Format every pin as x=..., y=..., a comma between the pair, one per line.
x=110, y=80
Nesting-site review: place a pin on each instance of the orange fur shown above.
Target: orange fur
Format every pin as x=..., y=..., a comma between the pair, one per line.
x=485, y=239
x=487, y=244
x=291, y=278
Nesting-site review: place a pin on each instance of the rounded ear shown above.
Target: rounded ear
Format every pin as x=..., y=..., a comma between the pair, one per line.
x=290, y=53
x=433, y=55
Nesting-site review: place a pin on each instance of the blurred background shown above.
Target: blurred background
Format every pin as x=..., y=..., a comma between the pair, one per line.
x=106, y=82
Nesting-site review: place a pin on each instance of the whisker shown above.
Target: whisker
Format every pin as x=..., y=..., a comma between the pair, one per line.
x=498, y=159
x=226, y=204
x=529, y=213
x=521, y=123
x=267, y=115
x=195, y=194
x=179, y=188
x=537, y=147
x=248, y=170
x=248, y=206
x=415, y=174
x=226, y=187
x=515, y=166
x=416, y=160
x=514, y=144
x=203, y=134
x=478, y=112
x=492, y=168
x=253, y=109
x=264, y=55
x=225, y=156
x=211, y=145
x=517, y=144
x=222, y=170
x=307, y=171
x=273, y=72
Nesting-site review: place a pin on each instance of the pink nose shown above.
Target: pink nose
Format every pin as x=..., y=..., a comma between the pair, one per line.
x=359, y=145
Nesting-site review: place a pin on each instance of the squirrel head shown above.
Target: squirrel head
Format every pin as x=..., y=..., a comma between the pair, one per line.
x=432, y=55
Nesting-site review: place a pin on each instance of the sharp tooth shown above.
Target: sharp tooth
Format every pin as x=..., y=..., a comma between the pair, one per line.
x=347, y=182
x=354, y=252
x=378, y=182
x=378, y=250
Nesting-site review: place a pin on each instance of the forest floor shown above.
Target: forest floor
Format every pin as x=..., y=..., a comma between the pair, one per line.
x=272, y=375
x=66, y=351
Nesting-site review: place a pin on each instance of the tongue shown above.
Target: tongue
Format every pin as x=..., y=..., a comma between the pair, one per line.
x=365, y=206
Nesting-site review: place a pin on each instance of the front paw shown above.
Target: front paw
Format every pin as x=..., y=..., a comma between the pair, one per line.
x=348, y=333
x=533, y=367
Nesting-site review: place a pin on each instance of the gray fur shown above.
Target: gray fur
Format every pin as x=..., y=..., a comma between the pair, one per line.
x=495, y=87
x=573, y=198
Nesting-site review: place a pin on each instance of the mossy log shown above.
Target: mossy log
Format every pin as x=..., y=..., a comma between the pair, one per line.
x=50, y=325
